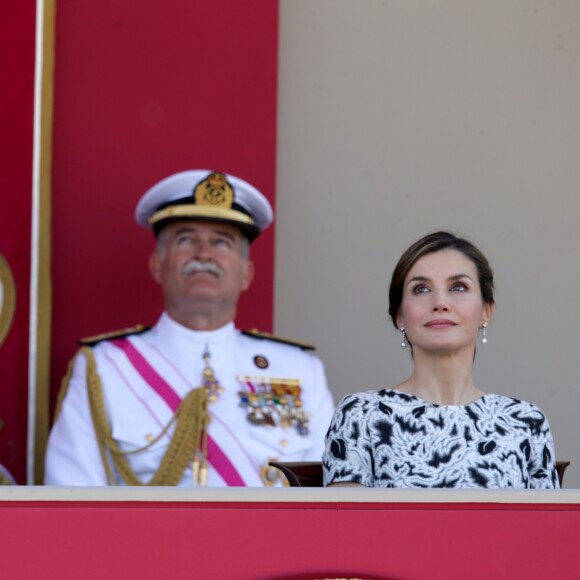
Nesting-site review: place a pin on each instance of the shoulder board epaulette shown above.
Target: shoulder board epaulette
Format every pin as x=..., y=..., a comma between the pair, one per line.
x=255, y=333
x=93, y=340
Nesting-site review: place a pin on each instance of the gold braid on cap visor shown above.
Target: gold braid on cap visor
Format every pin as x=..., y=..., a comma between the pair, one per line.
x=200, y=211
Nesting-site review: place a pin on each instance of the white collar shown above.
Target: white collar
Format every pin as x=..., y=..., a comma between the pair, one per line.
x=170, y=328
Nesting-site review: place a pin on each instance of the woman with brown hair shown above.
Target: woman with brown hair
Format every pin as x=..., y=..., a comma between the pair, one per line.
x=437, y=429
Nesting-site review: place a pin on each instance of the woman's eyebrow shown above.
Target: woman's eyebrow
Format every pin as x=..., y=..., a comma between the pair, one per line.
x=418, y=279
x=458, y=277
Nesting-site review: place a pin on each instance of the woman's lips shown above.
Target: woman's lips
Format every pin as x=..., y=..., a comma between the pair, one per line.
x=440, y=323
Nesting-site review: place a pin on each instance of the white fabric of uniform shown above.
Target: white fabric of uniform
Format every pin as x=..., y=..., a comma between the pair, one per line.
x=135, y=414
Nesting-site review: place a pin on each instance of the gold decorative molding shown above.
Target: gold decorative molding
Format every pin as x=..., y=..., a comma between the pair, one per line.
x=7, y=298
x=45, y=84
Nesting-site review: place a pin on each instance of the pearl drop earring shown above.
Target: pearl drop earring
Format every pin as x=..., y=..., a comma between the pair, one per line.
x=405, y=342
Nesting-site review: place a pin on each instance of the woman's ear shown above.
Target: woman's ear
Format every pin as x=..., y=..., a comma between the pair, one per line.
x=400, y=321
x=487, y=312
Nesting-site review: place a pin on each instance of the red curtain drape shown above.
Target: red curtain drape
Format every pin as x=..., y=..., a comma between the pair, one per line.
x=17, y=45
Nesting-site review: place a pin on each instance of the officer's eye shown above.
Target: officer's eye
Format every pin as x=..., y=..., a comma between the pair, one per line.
x=225, y=243
x=183, y=239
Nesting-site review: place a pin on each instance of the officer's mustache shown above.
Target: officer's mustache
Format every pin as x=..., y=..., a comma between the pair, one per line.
x=197, y=266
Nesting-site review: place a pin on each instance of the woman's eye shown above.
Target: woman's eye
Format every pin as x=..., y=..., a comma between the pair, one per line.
x=420, y=289
x=458, y=287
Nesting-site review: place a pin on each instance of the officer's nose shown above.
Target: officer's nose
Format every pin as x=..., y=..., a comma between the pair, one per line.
x=203, y=251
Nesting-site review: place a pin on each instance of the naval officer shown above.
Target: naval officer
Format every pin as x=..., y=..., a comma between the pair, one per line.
x=192, y=400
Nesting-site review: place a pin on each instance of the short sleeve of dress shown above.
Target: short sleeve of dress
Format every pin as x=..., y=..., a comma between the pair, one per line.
x=347, y=456
x=542, y=456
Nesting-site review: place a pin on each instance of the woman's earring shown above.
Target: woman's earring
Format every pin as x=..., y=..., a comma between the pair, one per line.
x=405, y=342
x=483, y=337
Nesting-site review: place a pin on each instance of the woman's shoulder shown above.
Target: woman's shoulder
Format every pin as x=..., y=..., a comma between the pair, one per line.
x=358, y=398
x=493, y=399
x=513, y=407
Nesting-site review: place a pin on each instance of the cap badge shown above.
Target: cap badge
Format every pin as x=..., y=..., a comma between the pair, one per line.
x=214, y=191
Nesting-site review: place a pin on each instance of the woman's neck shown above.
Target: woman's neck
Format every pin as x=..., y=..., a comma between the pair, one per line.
x=442, y=378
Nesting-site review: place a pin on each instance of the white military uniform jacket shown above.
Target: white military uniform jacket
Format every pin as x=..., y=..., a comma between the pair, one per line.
x=137, y=413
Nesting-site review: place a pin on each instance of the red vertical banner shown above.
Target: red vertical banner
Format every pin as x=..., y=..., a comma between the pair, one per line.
x=17, y=46
x=26, y=51
x=144, y=89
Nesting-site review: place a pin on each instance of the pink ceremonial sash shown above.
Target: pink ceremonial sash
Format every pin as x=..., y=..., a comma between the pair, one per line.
x=216, y=457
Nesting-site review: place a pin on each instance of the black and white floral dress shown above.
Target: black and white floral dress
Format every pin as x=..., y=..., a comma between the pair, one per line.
x=392, y=439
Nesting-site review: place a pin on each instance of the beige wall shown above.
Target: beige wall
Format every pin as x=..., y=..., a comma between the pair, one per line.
x=399, y=118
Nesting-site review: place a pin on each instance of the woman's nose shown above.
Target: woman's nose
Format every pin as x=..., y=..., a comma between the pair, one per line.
x=440, y=303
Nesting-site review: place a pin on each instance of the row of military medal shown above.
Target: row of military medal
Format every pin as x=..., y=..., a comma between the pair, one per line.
x=268, y=401
x=274, y=402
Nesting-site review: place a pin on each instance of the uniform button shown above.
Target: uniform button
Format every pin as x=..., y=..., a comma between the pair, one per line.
x=284, y=443
x=149, y=437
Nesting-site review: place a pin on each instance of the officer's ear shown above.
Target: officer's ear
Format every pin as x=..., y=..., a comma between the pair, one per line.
x=247, y=274
x=155, y=266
